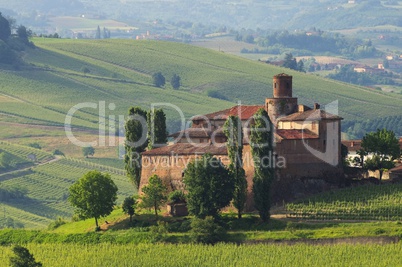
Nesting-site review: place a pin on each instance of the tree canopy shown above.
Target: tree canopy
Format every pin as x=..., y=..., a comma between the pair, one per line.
x=384, y=145
x=93, y=195
x=154, y=194
x=158, y=79
x=5, y=29
x=23, y=258
x=209, y=186
x=157, y=133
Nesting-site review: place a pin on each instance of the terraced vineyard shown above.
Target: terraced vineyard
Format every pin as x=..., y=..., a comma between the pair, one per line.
x=22, y=152
x=47, y=188
x=369, y=202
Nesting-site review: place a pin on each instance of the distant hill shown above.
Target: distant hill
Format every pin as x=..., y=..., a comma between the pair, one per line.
x=120, y=73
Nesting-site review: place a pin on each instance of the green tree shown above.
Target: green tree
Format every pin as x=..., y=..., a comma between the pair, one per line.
x=129, y=205
x=136, y=142
x=175, y=81
x=290, y=62
x=85, y=70
x=209, y=185
x=5, y=29
x=157, y=133
x=93, y=195
x=98, y=33
x=158, y=79
x=262, y=151
x=154, y=194
x=300, y=66
x=23, y=34
x=88, y=151
x=23, y=258
x=234, y=134
x=384, y=145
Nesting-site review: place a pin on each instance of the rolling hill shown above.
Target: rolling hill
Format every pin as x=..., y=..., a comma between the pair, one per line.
x=120, y=74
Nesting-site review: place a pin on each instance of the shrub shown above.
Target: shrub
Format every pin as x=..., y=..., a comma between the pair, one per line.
x=56, y=224
x=158, y=232
x=58, y=152
x=206, y=231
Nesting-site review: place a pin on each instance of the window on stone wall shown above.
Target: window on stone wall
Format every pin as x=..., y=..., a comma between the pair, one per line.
x=275, y=85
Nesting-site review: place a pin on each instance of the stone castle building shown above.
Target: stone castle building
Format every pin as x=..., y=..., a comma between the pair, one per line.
x=307, y=141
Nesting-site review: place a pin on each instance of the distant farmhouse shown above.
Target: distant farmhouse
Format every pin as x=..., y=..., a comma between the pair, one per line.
x=307, y=141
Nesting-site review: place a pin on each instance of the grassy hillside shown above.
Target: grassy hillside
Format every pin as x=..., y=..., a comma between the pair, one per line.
x=44, y=188
x=120, y=73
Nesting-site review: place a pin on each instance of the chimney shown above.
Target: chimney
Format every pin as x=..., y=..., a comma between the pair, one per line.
x=316, y=106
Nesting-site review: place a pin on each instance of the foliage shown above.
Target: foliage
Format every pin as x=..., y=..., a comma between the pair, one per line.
x=23, y=258
x=88, y=151
x=175, y=81
x=58, y=152
x=209, y=185
x=206, y=231
x=347, y=74
x=177, y=196
x=158, y=79
x=129, y=205
x=385, y=147
x=262, y=150
x=234, y=134
x=5, y=160
x=94, y=195
x=157, y=133
x=136, y=142
x=158, y=232
x=154, y=194
x=85, y=70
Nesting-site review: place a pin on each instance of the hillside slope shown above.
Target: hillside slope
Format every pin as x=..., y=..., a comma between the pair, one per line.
x=120, y=74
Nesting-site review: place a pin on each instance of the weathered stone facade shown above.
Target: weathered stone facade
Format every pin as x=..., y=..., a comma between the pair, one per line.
x=307, y=141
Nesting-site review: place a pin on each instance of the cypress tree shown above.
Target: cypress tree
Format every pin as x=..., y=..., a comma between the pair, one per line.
x=234, y=134
x=157, y=133
x=262, y=150
x=136, y=142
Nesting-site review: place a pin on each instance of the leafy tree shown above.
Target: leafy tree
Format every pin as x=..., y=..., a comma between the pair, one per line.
x=300, y=66
x=93, y=195
x=154, y=194
x=7, y=56
x=175, y=81
x=385, y=147
x=23, y=34
x=85, y=70
x=157, y=133
x=234, y=135
x=88, y=151
x=210, y=187
x=262, y=150
x=128, y=206
x=158, y=79
x=23, y=258
x=290, y=62
x=136, y=142
x=5, y=29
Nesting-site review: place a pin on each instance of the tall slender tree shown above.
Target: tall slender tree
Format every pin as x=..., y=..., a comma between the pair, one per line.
x=157, y=133
x=234, y=134
x=5, y=29
x=262, y=150
x=136, y=142
x=98, y=33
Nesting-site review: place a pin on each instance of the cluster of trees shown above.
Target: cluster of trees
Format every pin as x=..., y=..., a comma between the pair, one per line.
x=11, y=44
x=347, y=74
x=357, y=129
x=159, y=80
x=291, y=63
x=143, y=130
x=384, y=147
x=315, y=41
x=104, y=34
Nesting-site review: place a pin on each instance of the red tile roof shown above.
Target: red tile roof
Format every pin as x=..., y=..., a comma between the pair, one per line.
x=198, y=132
x=188, y=149
x=243, y=112
x=295, y=134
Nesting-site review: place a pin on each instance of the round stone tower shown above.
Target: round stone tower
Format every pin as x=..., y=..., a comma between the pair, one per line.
x=283, y=103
